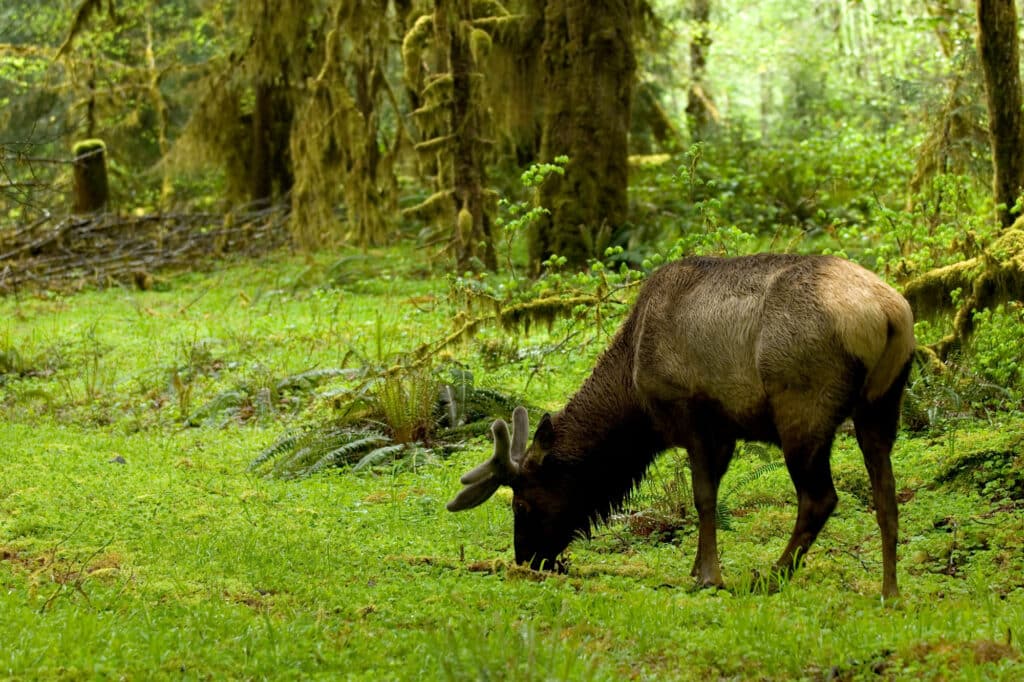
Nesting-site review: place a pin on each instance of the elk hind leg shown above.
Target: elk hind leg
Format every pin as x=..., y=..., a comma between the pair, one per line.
x=876, y=425
x=807, y=460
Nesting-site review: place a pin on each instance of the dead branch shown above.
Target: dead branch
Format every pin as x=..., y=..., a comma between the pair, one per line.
x=69, y=253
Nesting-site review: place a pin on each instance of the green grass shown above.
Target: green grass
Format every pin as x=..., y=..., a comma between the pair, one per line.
x=179, y=563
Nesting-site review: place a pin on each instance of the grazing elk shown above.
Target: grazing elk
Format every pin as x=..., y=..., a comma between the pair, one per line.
x=773, y=348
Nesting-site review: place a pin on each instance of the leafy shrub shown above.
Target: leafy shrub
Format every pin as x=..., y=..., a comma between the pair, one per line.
x=995, y=346
x=998, y=475
x=840, y=174
x=314, y=448
x=934, y=401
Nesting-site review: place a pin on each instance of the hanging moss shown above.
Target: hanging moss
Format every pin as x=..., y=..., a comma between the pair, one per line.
x=480, y=44
x=337, y=134
x=541, y=310
x=435, y=206
x=414, y=43
x=305, y=99
x=443, y=67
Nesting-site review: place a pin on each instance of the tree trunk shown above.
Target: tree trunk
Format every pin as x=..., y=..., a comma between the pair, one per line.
x=998, y=274
x=91, y=189
x=472, y=238
x=588, y=77
x=270, y=173
x=997, y=46
x=701, y=113
x=261, y=186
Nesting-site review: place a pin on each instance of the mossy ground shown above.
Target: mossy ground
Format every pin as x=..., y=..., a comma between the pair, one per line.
x=133, y=546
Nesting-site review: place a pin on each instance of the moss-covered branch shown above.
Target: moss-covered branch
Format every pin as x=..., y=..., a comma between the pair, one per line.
x=985, y=281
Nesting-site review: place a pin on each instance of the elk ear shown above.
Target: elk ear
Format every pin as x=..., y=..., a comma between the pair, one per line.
x=545, y=436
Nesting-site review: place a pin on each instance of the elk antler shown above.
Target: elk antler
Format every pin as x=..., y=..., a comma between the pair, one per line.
x=481, y=482
x=520, y=432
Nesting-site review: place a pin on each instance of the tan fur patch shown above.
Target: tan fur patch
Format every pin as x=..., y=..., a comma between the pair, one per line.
x=863, y=309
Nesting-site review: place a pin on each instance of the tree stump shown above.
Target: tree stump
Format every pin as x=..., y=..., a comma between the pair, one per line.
x=91, y=189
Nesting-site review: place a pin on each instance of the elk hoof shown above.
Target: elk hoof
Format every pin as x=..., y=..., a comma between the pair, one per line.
x=770, y=582
x=708, y=584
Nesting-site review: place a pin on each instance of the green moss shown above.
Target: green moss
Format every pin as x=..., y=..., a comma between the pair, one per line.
x=480, y=44
x=86, y=146
x=931, y=292
x=983, y=282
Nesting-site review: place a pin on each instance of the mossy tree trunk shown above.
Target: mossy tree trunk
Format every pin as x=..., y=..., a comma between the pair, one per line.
x=1000, y=60
x=701, y=113
x=344, y=140
x=270, y=174
x=589, y=70
x=91, y=188
x=445, y=56
x=472, y=238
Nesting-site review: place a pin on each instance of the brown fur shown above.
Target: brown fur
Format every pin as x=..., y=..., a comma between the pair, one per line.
x=776, y=348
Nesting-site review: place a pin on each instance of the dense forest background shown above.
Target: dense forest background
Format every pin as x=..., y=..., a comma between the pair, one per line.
x=531, y=135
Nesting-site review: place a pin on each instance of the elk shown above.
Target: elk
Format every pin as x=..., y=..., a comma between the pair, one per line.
x=772, y=348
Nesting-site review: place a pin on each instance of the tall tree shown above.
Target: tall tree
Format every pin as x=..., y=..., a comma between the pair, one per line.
x=452, y=23
x=1000, y=61
x=701, y=112
x=997, y=275
x=341, y=150
x=589, y=70
x=447, y=55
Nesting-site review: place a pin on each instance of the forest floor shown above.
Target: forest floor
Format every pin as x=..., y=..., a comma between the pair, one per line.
x=134, y=545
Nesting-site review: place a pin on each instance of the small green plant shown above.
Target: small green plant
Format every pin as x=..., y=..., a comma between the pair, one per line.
x=996, y=474
x=940, y=401
x=11, y=361
x=407, y=403
x=659, y=507
x=93, y=377
x=995, y=347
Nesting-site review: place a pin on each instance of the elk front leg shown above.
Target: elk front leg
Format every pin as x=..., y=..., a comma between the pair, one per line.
x=708, y=461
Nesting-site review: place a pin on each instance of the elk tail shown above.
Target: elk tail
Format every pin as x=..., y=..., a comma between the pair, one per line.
x=899, y=347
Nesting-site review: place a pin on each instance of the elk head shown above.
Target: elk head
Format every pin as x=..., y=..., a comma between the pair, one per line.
x=546, y=507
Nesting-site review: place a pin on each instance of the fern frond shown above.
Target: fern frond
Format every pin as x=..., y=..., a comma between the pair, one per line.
x=346, y=453
x=379, y=455
x=279, y=447
x=752, y=475
x=219, y=403
x=724, y=513
x=723, y=516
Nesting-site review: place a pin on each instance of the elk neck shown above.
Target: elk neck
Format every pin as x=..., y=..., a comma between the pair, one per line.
x=605, y=437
